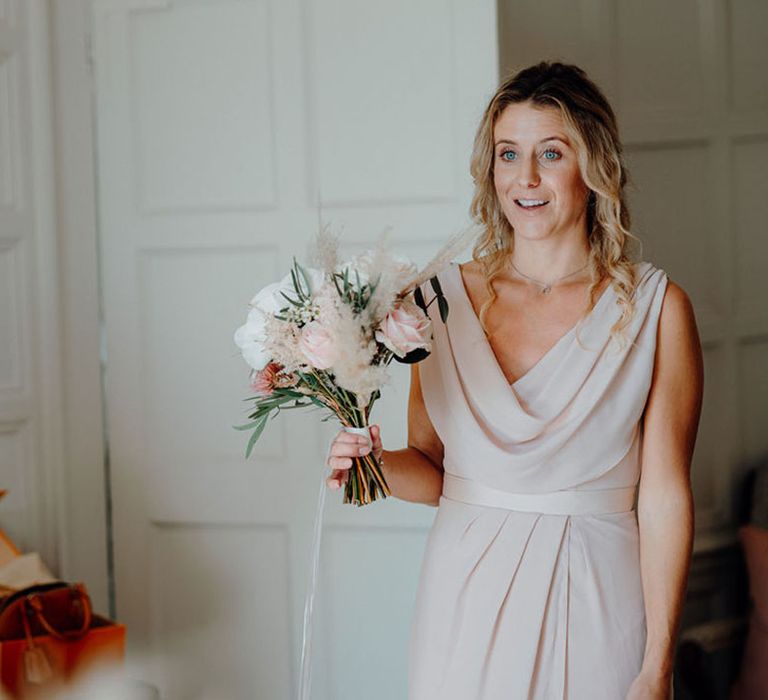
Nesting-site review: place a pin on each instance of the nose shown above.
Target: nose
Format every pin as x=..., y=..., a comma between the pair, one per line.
x=527, y=173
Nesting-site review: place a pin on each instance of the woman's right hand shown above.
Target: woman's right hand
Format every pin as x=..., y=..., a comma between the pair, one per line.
x=345, y=446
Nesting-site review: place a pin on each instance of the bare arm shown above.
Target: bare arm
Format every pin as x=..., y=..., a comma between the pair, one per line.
x=665, y=501
x=414, y=473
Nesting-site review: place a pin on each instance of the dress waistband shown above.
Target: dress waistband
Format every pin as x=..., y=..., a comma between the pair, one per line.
x=569, y=502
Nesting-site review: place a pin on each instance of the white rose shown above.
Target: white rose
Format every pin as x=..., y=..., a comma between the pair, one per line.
x=250, y=338
x=269, y=299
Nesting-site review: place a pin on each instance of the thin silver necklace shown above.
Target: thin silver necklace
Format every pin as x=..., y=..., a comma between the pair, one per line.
x=546, y=287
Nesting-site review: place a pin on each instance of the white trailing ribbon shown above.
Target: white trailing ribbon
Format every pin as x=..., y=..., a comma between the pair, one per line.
x=305, y=680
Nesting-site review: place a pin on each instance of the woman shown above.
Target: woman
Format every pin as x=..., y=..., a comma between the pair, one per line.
x=553, y=425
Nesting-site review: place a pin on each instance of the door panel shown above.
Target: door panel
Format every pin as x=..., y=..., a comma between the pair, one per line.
x=220, y=126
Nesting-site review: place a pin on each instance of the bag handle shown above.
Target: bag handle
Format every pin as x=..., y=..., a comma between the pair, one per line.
x=77, y=591
x=37, y=667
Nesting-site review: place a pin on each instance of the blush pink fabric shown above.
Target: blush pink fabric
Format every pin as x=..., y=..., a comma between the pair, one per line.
x=530, y=584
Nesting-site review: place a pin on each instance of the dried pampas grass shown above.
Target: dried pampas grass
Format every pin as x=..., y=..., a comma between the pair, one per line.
x=444, y=255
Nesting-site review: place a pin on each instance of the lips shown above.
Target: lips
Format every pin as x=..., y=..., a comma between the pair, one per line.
x=533, y=207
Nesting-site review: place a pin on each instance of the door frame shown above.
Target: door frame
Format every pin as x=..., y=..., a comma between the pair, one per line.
x=85, y=543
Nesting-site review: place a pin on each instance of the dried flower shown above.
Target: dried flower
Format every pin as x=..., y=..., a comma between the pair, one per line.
x=323, y=250
x=263, y=381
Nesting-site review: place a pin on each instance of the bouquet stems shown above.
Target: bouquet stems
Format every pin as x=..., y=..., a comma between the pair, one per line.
x=365, y=483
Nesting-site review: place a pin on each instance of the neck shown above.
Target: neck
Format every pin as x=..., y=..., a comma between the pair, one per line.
x=545, y=267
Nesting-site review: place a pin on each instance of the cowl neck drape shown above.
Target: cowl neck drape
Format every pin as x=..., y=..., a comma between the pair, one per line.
x=537, y=418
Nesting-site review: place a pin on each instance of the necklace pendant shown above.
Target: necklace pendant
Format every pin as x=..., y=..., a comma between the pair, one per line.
x=546, y=290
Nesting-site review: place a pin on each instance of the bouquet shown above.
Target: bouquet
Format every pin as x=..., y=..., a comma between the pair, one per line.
x=324, y=335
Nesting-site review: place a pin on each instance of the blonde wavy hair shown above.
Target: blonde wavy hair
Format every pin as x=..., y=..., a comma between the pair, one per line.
x=591, y=124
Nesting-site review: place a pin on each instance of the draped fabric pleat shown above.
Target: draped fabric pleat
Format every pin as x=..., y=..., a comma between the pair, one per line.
x=539, y=603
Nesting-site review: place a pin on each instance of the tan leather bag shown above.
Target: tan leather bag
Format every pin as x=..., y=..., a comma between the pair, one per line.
x=60, y=609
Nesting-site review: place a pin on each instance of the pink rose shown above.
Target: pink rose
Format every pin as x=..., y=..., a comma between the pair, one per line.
x=317, y=345
x=405, y=328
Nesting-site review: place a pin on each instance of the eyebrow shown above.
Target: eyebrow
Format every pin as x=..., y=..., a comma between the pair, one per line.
x=549, y=138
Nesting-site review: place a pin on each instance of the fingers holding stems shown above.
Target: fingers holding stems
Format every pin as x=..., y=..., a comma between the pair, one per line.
x=344, y=447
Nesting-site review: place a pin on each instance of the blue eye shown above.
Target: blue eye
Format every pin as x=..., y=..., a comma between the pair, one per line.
x=549, y=151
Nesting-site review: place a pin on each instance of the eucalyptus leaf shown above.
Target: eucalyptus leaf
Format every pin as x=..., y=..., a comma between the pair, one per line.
x=317, y=402
x=418, y=297
x=255, y=436
x=442, y=304
x=306, y=279
x=292, y=394
x=293, y=301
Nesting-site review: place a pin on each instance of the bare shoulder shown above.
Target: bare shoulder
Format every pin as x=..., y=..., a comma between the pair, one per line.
x=677, y=320
x=471, y=269
x=473, y=276
x=678, y=373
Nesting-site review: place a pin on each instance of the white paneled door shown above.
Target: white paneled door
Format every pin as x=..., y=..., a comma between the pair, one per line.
x=31, y=442
x=219, y=126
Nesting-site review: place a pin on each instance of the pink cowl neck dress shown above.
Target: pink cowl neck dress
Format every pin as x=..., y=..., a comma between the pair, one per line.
x=530, y=586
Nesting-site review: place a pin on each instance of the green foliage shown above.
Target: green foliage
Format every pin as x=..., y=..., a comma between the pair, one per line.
x=278, y=401
x=442, y=305
x=356, y=295
x=418, y=297
x=256, y=433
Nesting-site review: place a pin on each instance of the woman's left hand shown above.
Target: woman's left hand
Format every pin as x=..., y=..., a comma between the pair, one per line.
x=650, y=686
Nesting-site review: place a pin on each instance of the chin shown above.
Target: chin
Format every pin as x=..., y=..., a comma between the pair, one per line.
x=533, y=227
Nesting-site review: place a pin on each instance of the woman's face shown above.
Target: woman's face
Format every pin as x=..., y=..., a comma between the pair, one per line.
x=530, y=164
